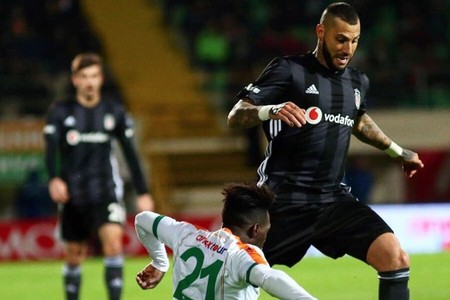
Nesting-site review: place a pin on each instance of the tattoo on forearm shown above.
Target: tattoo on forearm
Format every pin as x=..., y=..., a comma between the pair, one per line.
x=243, y=115
x=247, y=117
x=368, y=132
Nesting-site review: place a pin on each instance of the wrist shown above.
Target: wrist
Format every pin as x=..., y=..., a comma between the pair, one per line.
x=264, y=112
x=394, y=150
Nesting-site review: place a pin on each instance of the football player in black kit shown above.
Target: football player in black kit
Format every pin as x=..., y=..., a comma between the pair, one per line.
x=310, y=105
x=85, y=182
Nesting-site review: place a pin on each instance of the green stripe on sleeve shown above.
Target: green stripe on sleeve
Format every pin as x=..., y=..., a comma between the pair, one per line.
x=155, y=225
x=248, y=273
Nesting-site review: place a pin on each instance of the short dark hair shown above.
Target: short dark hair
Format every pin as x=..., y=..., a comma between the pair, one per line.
x=245, y=204
x=84, y=60
x=343, y=11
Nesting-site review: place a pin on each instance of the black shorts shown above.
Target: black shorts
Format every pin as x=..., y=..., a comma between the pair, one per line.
x=80, y=223
x=335, y=229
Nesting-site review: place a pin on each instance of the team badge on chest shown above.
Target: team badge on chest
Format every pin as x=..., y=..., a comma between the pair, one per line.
x=109, y=122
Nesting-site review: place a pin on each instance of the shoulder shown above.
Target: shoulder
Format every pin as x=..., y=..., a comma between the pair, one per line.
x=356, y=73
x=288, y=60
x=298, y=59
x=113, y=102
x=114, y=106
x=61, y=106
x=251, y=253
x=279, y=67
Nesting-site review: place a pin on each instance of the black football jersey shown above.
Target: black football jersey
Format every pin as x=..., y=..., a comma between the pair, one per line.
x=308, y=163
x=79, y=148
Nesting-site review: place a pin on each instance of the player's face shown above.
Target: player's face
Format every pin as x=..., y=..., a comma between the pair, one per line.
x=338, y=41
x=88, y=82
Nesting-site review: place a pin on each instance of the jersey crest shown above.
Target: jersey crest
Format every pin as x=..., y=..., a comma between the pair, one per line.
x=109, y=122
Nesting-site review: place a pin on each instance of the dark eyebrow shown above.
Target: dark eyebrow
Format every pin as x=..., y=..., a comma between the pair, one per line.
x=340, y=35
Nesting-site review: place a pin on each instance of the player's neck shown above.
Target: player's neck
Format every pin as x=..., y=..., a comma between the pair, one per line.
x=319, y=57
x=88, y=101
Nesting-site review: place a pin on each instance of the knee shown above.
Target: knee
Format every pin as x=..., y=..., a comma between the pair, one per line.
x=75, y=252
x=401, y=260
x=112, y=248
x=385, y=254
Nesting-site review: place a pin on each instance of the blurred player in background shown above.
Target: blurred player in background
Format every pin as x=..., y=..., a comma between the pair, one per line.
x=224, y=264
x=84, y=176
x=310, y=105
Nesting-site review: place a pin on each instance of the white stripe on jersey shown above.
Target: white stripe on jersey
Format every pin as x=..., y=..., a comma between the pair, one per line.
x=117, y=179
x=275, y=127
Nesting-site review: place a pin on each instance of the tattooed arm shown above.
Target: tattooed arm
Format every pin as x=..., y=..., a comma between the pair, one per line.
x=243, y=115
x=367, y=131
x=246, y=114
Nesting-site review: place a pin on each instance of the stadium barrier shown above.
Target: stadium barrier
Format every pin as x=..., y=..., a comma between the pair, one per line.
x=421, y=228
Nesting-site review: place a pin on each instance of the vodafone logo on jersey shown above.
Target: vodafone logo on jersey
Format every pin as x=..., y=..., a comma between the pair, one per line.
x=73, y=137
x=314, y=115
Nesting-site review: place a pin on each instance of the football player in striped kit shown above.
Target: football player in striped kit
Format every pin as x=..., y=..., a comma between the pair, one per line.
x=309, y=106
x=83, y=173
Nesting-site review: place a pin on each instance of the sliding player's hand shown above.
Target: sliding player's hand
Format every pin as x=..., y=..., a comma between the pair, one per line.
x=149, y=277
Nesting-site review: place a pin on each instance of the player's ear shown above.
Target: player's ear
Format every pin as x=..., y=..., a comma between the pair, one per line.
x=253, y=230
x=320, y=29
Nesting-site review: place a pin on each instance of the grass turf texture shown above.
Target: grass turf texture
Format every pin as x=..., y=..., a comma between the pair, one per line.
x=345, y=279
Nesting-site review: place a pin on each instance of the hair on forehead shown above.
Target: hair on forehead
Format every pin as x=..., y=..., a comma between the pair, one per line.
x=84, y=60
x=341, y=10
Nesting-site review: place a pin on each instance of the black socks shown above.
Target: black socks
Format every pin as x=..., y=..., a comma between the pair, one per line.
x=394, y=285
x=72, y=281
x=113, y=276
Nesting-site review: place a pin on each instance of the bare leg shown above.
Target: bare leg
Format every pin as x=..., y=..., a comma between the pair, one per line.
x=392, y=264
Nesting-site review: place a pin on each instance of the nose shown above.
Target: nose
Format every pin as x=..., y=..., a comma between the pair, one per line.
x=347, y=48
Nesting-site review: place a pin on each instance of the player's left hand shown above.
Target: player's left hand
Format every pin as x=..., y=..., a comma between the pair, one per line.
x=144, y=202
x=149, y=277
x=411, y=162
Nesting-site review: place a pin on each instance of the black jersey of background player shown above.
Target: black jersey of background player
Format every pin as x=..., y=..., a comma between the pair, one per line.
x=82, y=140
x=308, y=162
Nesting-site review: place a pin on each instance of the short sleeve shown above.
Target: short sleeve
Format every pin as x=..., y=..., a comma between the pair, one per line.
x=272, y=85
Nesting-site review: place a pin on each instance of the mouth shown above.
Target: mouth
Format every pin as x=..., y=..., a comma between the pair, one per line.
x=342, y=60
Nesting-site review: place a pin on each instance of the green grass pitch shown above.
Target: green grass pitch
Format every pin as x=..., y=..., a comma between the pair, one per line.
x=343, y=279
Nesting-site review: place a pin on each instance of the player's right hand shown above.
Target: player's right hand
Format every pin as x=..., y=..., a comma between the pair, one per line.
x=58, y=190
x=289, y=113
x=149, y=277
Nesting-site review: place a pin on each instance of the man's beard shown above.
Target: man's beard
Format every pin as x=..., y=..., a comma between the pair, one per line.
x=327, y=57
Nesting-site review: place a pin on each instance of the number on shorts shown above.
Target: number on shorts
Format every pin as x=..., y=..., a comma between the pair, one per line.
x=116, y=213
x=212, y=271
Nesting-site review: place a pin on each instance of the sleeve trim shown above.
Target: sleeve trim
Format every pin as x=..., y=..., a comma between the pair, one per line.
x=247, y=279
x=155, y=226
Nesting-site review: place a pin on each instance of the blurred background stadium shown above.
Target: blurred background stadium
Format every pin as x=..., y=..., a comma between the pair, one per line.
x=178, y=66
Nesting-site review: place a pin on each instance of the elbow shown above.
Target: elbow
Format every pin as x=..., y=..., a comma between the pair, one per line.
x=232, y=121
x=141, y=218
x=232, y=124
